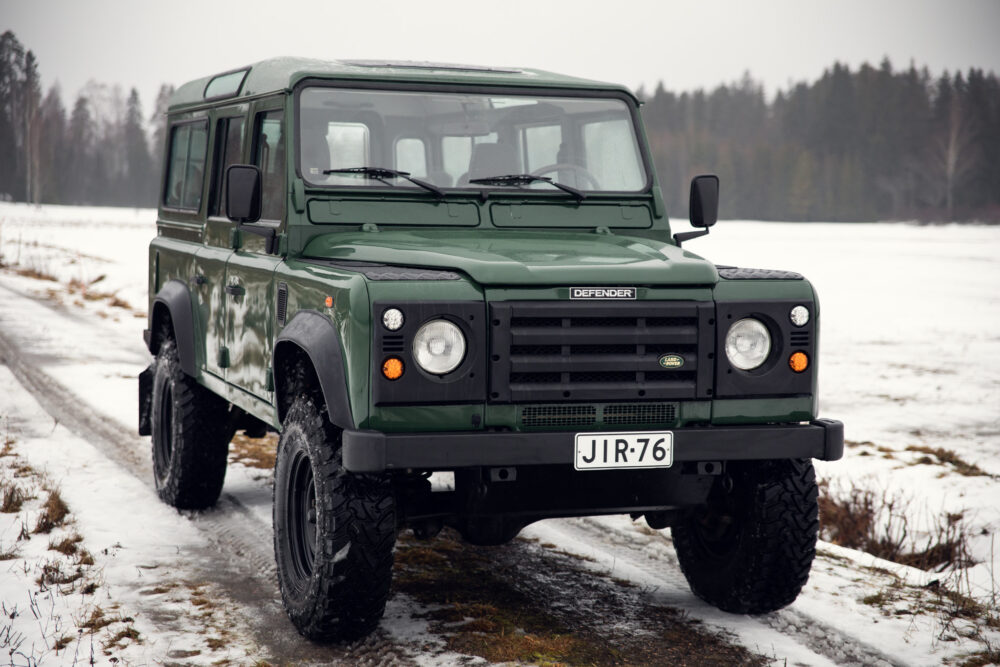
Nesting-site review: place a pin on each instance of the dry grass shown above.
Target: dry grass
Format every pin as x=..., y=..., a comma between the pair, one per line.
x=990, y=656
x=96, y=621
x=54, y=513
x=63, y=642
x=947, y=457
x=121, y=638
x=9, y=553
x=878, y=523
x=11, y=499
x=52, y=575
x=68, y=546
x=36, y=273
x=254, y=452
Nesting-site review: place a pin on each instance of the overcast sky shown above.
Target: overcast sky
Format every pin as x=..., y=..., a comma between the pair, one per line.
x=687, y=44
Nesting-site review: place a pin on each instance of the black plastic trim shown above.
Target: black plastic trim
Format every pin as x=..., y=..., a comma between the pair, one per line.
x=146, y=401
x=177, y=299
x=466, y=384
x=693, y=381
x=372, y=451
x=317, y=337
x=738, y=273
x=773, y=377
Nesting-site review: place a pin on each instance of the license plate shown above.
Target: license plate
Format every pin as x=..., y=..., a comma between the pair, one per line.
x=636, y=449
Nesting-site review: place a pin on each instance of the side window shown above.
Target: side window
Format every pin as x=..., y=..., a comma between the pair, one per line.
x=228, y=150
x=186, y=165
x=269, y=155
x=411, y=156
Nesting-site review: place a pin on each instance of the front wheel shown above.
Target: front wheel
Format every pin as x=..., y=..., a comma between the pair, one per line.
x=750, y=549
x=333, y=531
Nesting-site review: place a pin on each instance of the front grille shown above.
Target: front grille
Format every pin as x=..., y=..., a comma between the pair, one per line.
x=599, y=351
x=558, y=415
x=640, y=413
x=635, y=414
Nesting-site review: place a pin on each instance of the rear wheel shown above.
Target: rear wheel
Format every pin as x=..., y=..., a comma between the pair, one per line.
x=191, y=434
x=750, y=549
x=334, y=531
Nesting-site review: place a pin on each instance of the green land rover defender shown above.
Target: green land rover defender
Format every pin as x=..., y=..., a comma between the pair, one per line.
x=455, y=294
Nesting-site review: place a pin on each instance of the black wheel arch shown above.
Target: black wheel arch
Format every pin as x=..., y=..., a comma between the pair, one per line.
x=172, y=305
x=312, y=339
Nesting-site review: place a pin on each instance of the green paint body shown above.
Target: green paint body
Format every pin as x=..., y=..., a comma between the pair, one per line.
x=510, y=247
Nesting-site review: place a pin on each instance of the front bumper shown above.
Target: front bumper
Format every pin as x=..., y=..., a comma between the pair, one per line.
x=372, y=451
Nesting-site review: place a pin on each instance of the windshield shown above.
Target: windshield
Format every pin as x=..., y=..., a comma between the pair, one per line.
x=451, y=140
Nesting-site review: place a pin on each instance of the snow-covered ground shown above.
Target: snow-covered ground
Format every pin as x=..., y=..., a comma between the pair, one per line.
x=910, y=361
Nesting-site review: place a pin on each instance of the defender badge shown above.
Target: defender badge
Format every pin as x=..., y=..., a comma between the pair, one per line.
x=671, y=361
x=602, y=293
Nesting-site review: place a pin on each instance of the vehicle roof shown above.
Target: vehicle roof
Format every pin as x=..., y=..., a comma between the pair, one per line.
x=277, y=74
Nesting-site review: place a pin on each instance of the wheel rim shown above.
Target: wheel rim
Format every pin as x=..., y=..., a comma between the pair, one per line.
x=717, y=526
x=300, y=517
x=718, y=532
x=163, y=449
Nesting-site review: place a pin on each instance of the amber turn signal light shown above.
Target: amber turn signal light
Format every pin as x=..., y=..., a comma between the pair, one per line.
x=392, y=368
x=329, y=302
x=798, y=362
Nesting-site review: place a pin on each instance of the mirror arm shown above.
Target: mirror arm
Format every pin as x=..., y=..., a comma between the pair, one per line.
x=269, y=234
x=686, y=236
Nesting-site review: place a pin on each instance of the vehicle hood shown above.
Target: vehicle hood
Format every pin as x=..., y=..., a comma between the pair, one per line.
x=522, y=258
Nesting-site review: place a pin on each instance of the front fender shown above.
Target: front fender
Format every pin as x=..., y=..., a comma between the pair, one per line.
x=314, y=335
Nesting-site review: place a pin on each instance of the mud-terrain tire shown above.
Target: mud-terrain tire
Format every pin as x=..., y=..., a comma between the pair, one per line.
x=191, y=434
x=334, y=531
x=750, y=549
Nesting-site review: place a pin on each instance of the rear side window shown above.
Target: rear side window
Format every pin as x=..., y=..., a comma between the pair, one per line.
x=186, y=166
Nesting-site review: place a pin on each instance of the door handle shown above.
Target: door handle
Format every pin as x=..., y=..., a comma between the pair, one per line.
x=235, y=290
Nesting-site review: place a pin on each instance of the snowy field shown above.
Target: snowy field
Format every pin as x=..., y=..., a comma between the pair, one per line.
x=909, y=361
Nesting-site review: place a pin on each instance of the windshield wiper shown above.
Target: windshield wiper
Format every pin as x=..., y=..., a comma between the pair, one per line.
x=381, y=173
x=525, y=179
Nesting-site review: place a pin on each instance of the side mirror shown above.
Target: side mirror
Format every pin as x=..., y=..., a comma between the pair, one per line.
x=704, y=204
x=703, y=208
x=243, y=193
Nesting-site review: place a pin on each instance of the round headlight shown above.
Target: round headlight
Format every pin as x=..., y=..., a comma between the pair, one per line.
x=392, y=319
x=799, y=316
x=439, y=347
x=747, y=344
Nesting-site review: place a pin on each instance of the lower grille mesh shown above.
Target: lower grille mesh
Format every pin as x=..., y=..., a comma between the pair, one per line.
x=641, y=413
x=558, y=415
x=591, y=415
